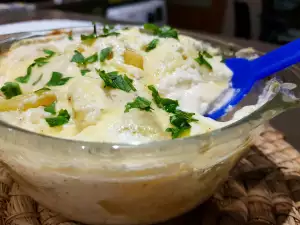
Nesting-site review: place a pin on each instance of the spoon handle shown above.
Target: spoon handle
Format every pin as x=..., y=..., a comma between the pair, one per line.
x=276, y=60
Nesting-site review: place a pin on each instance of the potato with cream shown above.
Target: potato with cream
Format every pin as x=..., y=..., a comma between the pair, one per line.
x=131, y=85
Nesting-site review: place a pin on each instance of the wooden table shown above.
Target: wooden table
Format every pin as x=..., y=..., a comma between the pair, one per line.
x=288, y=122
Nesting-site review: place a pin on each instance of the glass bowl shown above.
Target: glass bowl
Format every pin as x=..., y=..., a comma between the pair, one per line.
x=106, y=183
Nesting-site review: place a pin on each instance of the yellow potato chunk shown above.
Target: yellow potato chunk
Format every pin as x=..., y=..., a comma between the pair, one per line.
x=133, y=58
x=27, y=101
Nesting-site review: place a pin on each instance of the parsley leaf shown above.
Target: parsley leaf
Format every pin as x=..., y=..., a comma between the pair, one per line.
x=166, y=104
x=105, y=54
x=114, y=80
x=37, y=62
x=90, y=37
x=202, y=61
x=38, y=80
x=44, y=60
x=62, y=118
x=57, y=80
x=91, y=59
x=206, y=54
x=50, y=53
x=42, y=90
x=164, y=32
x=84, y=72
x=81, y=60
x=139, y=103
x=26, y=78
x=50, y=108
x=152, y=45
x=11, y=89
x=108, y=30
x=181, y=121
x=78, y=57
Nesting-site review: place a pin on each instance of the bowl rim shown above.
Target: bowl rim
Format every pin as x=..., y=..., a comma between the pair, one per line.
x=117, y=145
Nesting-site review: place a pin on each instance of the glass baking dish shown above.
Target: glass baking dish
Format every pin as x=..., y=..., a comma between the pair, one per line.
x=107, y=183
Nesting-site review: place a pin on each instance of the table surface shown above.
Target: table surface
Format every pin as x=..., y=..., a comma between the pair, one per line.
x=286, y=122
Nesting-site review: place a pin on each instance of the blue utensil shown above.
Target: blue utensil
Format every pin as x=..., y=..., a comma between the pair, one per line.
x=247, y=72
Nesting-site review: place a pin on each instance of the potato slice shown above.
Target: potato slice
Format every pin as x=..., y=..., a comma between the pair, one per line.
x=27, y=101
x=134, y=59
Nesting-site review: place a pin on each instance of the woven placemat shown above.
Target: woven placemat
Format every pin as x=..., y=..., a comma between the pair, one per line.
x=264, y=189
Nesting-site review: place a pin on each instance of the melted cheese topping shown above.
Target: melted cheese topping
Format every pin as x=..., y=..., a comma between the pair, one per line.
x=97, y=112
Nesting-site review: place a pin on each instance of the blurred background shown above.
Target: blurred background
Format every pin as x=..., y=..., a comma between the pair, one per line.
x=273, y=21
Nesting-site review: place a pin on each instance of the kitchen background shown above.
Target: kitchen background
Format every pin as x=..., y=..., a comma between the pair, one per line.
x=274, y=21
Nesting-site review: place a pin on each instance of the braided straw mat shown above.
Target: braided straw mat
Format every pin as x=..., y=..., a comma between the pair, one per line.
x=264, y=189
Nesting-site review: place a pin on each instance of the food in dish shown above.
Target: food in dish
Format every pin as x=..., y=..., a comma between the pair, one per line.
x=122, y=85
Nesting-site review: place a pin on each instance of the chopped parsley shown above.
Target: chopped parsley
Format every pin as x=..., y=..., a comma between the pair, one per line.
x=50, y=108
x=164, y=32
x=42, y=90
x=166, y=104
x=114, y=80
x=139, y=103
x=11, y=89
x=108, y=30
x=84, y=71
x=81, y=60
x=62, y=118
x=206, y=54
x=179, y=119
x=44, y=60
x=92, y=36
x=105, y=54
x=26, y=78
x=50, y=53
x=57, y=79
x=91, y=59
x=78, y=57
x=38, y=80
x=37, y=62
x=181, y=122
x=152, y=45
x=202, y=61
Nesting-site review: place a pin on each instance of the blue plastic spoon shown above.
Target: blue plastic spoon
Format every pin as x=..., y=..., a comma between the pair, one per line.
x=247, y=72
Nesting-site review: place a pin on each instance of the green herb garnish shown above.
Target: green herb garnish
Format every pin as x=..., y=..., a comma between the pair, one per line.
x=57, y=79
x=84, y=72
x=152, y=45
x=42, y=90
x=108, y=30
x=26, y=78
x=78, y=57
x=37, y=62
x=50, y=53
x=181, y=121
x=91, y=59
x=38, y=80
x=50, y=108
x=62, y=118
x=114, y=80
x=90, y=37
x=202, y=61
x=44, y=60
x=164, y=32
x=206, y=54
x=81, y=60
x=105, y=53
x=11, y=89
x=139, y=103
x=166, y=104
